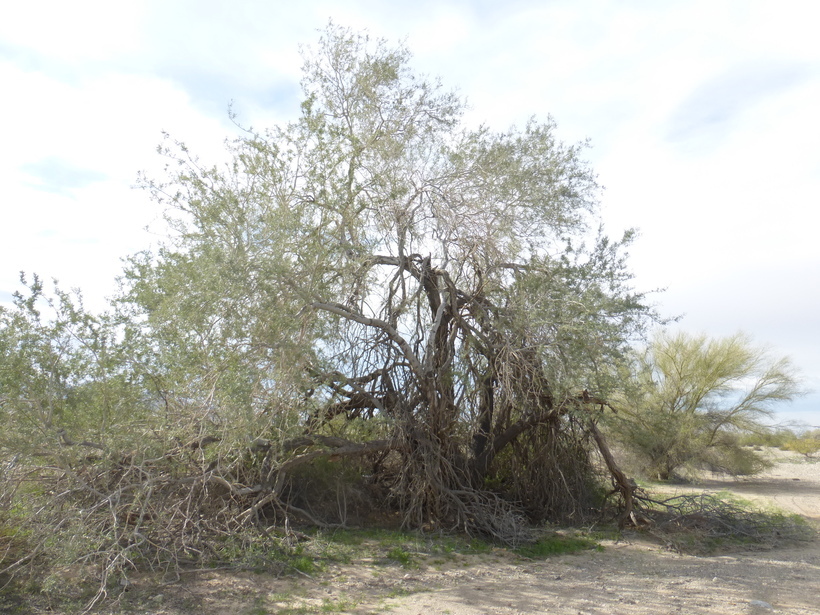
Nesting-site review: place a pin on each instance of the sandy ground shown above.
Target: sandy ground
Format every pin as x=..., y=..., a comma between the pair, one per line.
x=637, y=577
x=633, y=576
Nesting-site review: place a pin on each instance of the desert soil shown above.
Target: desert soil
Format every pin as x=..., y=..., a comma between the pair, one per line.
x=633, y=575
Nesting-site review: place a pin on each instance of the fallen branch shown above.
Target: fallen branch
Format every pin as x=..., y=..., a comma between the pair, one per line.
x=623, y=484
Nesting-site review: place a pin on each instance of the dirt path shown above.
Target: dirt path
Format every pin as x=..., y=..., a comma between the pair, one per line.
x=634, y=579
x=638, y=578
x=632, y=576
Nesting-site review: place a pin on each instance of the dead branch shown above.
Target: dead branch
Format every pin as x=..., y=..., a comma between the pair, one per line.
x=625, y=486
x=341, y=448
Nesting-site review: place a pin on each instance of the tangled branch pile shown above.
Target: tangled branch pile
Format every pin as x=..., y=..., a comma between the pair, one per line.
x=701, y=522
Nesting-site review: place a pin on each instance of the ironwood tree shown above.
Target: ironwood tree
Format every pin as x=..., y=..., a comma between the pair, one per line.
x=385, y=281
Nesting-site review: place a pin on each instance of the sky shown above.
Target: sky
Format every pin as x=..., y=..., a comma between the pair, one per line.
x=702, y=119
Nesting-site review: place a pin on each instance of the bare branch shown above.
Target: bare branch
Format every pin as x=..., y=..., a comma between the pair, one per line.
x=343, y=311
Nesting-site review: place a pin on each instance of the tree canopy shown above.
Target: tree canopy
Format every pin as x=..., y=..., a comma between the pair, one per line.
x=378, y=259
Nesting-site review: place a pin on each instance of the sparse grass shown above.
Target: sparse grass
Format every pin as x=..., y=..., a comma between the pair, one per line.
x=399, y=592
x=379, y=551
x=280, y=597
x=605, y=533
x=402, y=556
x=305, y=564
x=734, y=499
x=290, y=604
x=333, y=606
x=296, y=610
x=408, y=549
x=556, y=544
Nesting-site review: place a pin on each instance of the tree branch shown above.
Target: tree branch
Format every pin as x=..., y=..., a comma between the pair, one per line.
x=345, y=312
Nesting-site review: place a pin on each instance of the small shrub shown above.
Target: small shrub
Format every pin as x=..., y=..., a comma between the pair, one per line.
x=305, y=564
x=775, y=438
x=806, y=446
x=727, y=457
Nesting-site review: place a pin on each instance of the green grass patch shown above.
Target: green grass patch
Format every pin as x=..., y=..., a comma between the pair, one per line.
x=335, y=606
x=556, y=544
x=402, y=556
x=403, y=548
x=355, y=537
x=294, y=610
x=305, y=564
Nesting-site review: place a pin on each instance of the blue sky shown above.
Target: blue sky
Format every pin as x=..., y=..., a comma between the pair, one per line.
x=702, y=117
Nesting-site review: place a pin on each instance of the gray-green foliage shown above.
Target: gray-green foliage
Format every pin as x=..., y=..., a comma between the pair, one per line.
x=63, y=375
x=109, y=458
x=68, y=397
x=691, y=397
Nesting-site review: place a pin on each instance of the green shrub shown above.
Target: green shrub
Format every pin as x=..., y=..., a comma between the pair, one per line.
x=402, y=556
x=689, y=399
x=807, y=446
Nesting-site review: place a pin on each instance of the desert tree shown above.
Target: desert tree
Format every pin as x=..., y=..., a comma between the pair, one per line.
x=377, y=279
x=693, y=396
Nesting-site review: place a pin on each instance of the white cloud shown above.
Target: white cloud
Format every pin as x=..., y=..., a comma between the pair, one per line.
x=72, y=32
x=60, y=136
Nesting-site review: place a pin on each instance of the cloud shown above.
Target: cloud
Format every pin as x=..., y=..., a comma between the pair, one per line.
x=213, y=92
x=710, y=111
x=60, y=176
x=71, y=31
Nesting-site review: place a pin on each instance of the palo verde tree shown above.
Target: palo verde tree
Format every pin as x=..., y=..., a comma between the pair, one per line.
x=378, y=280
x=693, y=396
